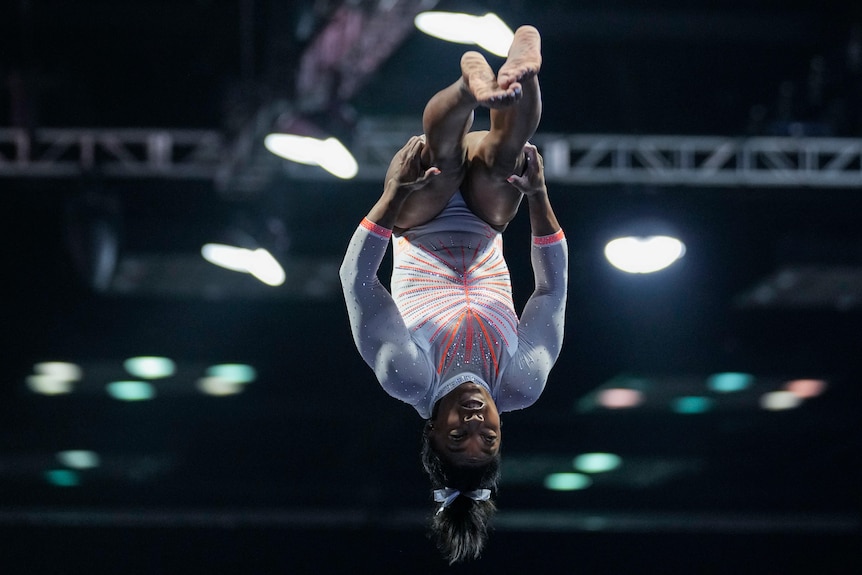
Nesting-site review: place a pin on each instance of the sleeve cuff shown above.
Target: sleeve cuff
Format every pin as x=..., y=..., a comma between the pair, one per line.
x=380, y=231
x=548, y=240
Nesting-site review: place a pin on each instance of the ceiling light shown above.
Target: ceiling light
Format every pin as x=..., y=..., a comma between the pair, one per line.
x=149, y=367
x=619, y=398
x=233, y=372
x=48, y=384
x=691, y=404
x=258, y=262
x=488, y=31
x=597, y=462
x=62, y=477
x=329, y=153
x=643, y=255
x=59, y=370
x=131, y=390
x=729, y=381
x=567, y=481
x=805, y=388
x=779, y=400
x=79, y=458
x=218, y=386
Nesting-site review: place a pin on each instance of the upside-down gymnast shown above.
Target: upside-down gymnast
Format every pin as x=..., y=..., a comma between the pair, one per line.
x=448, y=340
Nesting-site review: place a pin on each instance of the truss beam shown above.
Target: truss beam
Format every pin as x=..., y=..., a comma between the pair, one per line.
x=576, y=160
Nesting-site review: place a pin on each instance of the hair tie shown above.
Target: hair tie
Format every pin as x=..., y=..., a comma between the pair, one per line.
x=448, y=494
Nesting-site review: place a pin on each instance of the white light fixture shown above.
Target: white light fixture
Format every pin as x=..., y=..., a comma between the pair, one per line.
x=645, y=254
x=488, y=31
x=150, y=367
x=330, y=154
x=258, y=262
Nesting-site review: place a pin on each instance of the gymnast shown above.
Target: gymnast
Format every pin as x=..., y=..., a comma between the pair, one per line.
x=447, y=340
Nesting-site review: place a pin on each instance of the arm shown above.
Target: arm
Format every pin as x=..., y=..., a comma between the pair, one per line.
x=378, y=330
x=540, y=330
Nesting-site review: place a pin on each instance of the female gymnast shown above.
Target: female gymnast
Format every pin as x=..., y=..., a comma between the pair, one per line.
x=447, y=340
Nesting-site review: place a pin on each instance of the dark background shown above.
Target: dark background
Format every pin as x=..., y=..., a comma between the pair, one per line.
x=313, y=468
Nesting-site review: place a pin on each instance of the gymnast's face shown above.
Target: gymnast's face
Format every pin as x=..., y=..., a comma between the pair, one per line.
x=467, y=426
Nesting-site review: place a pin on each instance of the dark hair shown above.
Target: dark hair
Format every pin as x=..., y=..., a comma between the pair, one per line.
x=461, y=529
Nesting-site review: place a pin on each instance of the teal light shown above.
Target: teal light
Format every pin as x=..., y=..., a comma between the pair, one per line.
x=729, y=382
x=567, y=481
x=233, y=372
x=150, y=367
x=597, y=462
x=691, y=404
x=62, y=477
x=131, y=390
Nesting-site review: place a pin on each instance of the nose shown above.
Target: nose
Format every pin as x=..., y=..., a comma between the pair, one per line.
x=474, y=416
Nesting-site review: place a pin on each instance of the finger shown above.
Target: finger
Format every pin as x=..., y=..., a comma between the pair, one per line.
x=520, y=182
x=540, y=161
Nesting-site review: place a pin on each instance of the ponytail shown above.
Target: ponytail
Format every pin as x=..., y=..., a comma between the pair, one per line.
x=460, y=524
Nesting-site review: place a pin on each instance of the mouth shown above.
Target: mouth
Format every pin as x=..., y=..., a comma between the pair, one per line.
x=473, y=404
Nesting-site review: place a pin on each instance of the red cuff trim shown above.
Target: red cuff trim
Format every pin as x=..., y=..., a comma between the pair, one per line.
x=384, y=233
x=548, y=240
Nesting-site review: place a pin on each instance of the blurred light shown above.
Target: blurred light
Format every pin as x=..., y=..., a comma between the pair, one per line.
x=597, y=462
x=219, y=386
x=488, y=31
x=729, y=382
x=619, y=398
x=259, y=263
x=779, y=400
x=48, y=384
x=233, y=372
x=263, y=266
x=79, y=458
x=131, y=390
x=62, y=477
x=643, y=255
x=59, y=370
x=330, y=154
x=228, y=257
x=805, y=388
x=567, y=481
x=149, y=367
x=691, y=404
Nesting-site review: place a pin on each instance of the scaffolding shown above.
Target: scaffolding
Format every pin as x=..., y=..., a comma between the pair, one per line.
x=572, y=159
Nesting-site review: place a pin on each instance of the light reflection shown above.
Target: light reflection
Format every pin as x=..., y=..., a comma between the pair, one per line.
x=567, y=481
x=597, y=462
x=779, y=400
x=805, y=388
x=619, y=398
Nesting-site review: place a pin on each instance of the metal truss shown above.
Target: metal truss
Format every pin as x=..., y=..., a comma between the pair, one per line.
x=120, y=153
x=569, y=159
x=702, y=161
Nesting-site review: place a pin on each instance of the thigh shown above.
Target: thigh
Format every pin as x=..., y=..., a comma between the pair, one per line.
x=424, y=205
x=486, y=191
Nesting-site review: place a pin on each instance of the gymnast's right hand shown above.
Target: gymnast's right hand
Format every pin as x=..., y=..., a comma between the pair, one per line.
x=532, y=181
x=405, y=170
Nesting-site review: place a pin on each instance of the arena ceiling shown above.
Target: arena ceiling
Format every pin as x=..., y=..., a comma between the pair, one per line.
x=103, y=266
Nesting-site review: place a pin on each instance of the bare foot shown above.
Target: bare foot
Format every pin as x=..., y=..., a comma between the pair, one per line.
x=524, y=60
x=480, y=82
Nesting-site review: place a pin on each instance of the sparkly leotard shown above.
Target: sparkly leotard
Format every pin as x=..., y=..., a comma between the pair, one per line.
x=450, y=318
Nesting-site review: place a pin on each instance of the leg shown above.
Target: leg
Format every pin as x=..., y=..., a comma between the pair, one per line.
x=495, y=155
x=446, y=121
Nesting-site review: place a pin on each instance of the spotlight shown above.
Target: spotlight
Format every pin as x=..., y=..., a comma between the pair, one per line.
x=488, y=31
x=330, y=154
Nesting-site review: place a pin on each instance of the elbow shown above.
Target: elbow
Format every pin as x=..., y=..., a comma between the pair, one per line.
x=347, y=273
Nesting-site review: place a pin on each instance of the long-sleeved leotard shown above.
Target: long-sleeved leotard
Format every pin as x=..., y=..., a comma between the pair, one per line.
x=450, y=317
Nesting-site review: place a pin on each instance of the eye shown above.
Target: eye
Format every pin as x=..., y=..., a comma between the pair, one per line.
x=490, y=439
x=457, y=436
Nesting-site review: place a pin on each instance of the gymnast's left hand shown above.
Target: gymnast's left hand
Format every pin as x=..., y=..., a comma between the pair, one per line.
x=406, y=173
